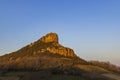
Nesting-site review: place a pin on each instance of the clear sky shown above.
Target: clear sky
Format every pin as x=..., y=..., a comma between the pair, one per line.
x=90, y=27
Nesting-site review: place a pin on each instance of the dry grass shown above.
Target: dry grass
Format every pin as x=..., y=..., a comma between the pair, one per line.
x=9, y=78
x=91, y=68
x=112, y=75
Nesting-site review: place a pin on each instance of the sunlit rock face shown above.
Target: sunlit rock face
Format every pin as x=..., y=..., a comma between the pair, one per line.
x=50, y=37
x=62, y=51
x=56, y=48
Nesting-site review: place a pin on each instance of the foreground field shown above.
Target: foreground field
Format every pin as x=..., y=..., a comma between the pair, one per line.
x=9, y=78
x=37, y=76
x=46, y=75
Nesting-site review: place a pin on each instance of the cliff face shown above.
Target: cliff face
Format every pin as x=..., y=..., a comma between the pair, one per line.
x=56, y=48
x=50, y=37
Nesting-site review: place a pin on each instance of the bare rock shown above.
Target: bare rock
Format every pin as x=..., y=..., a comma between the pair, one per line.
x=55, y=47
x=50, y=37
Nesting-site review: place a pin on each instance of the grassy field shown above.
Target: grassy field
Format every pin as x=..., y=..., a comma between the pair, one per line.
x=65, y=77
x=37, y=76
x=40, y=75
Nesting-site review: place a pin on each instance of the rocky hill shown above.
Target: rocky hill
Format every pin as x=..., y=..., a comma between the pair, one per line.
x=47, y=59
x=44, y=53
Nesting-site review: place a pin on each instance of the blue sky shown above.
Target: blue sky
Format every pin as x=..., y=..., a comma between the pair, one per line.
x=90, y=27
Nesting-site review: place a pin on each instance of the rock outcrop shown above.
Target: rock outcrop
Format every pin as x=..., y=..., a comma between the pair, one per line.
x=50, y=37
x=56, y=48
x=62, y=51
